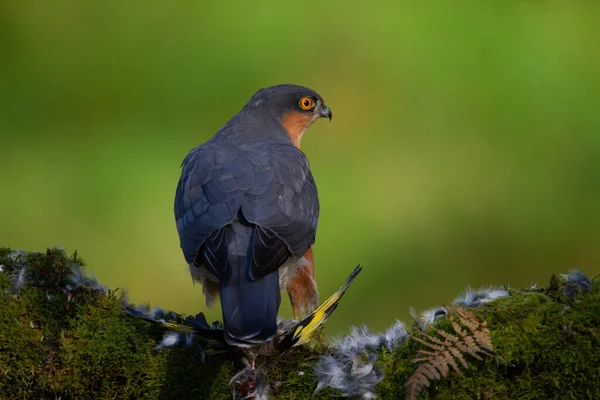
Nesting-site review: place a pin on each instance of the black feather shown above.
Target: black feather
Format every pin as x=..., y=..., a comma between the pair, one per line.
x=270, y=253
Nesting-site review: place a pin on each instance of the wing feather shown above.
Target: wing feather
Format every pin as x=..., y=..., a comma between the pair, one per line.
x=267, y=184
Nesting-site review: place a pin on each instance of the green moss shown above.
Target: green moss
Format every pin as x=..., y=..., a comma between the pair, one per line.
x=545, y=349
x=81, y=345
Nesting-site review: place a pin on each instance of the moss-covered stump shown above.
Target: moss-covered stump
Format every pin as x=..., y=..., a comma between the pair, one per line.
x=66, y=337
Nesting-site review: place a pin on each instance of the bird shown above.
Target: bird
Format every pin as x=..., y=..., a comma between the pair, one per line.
x=247, y=210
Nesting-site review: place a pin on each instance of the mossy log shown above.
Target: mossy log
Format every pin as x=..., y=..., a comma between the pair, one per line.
x=59, y=341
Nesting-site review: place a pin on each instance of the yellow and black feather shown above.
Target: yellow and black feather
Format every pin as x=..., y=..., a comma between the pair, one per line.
x=302, y=331
x=296, y=336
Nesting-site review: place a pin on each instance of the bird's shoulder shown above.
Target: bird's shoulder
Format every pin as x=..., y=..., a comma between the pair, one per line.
x=215, y=155
x=269, y=182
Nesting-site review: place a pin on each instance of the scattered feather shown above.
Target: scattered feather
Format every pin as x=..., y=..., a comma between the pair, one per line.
x=189, y=340
x=169, y=339
x=394, y=336
x=80, y=279
x=354, y=375
x=351, y=368
x=359, y=340
x=20, y=280
x=249, y=383
x=172, y=338
x=143, y=309
x=474, y=298
x=15, y=254
x=330, y=372
x=428, y=317
x=158, y=314
x=195, y=331
x=576, y=282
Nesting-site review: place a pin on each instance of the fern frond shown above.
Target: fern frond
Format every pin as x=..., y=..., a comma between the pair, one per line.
x=468, y=319
x=434, y=343
x=458, y=355
x=480, y=332
x=471, y=336
x=449, y=336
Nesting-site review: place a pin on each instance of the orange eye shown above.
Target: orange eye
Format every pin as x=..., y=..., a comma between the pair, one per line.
x=306, y=103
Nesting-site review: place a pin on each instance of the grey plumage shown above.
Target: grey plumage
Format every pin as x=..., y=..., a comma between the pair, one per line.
x=351, y=368
x=351, y=375
x=394, y=336
x=576, y=282
x=155, y=313
x=269, y=181
x=80, y=279
x=474, y=298
x=169, y=339
x=249, y=164
x=245, y=203
x=427, y=317
x=173, y=338
x=359, y=340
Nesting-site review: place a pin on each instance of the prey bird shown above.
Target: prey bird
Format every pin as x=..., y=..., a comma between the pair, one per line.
x=246, y=210
x=211, y=338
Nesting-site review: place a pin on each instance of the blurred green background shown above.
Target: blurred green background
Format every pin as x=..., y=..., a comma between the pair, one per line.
x=464, y=147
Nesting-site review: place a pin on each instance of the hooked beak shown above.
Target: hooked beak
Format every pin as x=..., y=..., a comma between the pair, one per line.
x=325, y=112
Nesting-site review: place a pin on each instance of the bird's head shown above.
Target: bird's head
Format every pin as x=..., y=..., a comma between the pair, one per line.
x=296, y=107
